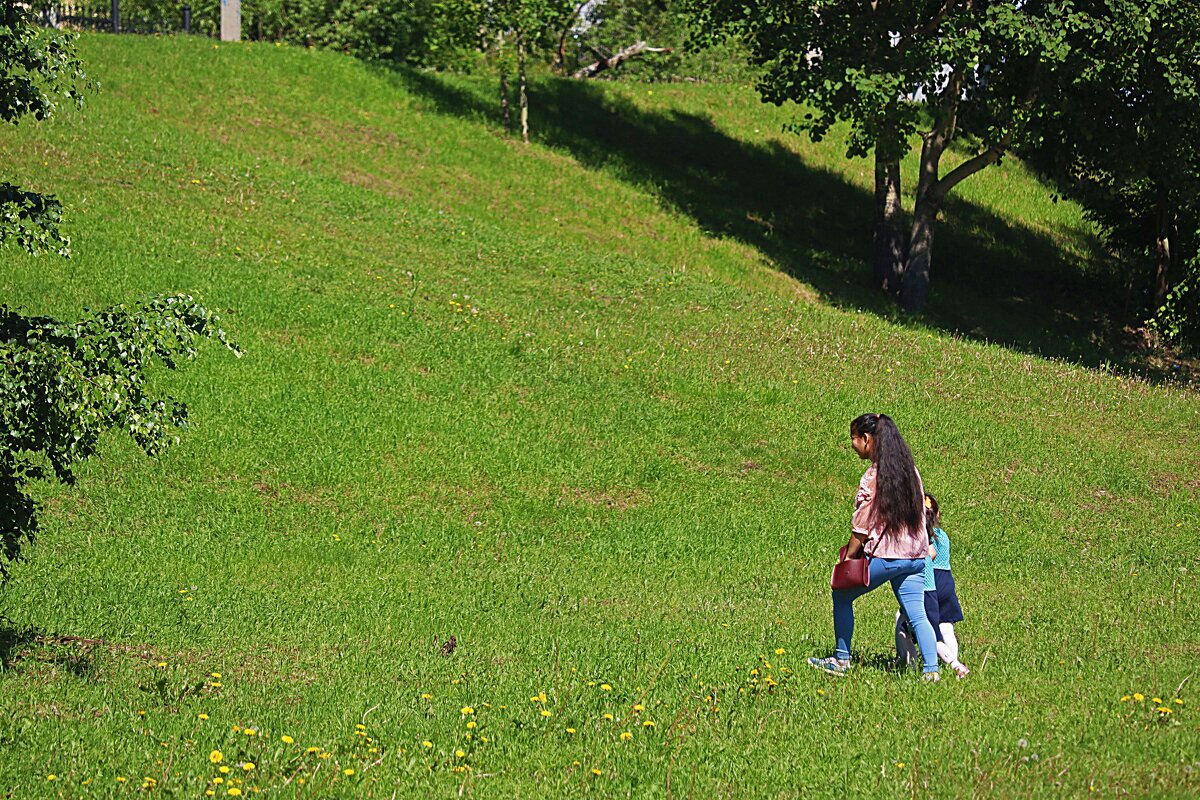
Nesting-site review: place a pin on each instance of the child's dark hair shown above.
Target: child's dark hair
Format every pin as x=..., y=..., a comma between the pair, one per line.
x=933, y=517
x=898, y=498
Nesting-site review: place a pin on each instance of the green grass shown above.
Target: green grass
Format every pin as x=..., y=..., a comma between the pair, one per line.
x=583, y=405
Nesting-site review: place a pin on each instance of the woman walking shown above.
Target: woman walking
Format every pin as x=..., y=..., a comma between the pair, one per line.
x=888, y=526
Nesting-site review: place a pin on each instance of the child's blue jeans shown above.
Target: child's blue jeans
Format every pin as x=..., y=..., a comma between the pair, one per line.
x=907, y=576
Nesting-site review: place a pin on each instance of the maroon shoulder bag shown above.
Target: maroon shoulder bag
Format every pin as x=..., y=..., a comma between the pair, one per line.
x=851, y=573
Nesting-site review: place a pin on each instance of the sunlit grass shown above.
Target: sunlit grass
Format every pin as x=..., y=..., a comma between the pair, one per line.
x=547, y=401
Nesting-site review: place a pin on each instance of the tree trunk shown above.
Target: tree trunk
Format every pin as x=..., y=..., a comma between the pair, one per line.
x=503, y=84
x=1163, y=250
x=522, y=84
x=888, y=260
x=560, y=55
x=915, y=288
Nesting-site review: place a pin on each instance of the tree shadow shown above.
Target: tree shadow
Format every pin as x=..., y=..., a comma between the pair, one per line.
x=20, y=643
x=14, y=639
x=994, y=280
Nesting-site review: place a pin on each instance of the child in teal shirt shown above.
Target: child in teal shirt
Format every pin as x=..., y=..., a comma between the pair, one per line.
x=941, y=600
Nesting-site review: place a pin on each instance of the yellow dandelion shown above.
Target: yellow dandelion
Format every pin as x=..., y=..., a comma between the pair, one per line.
x=250, y=732
x=779, y=651
x=900, y=764
x=360, y=727
x=313, y=750
x=596, y=772
x=626, y=736
x=51, y=777
x=216, y=675
x=820, y=691
x=607, y=716
x=545, y=712
x=639, y=707
x=426, y=696
x=571, y=731
x=427, y=744
x=215, y=684
x=121, y=779
x=1165, y=710
x=209, y=793
x=1156, y=700
x=465, y=710
x=218, y=780
x=1178, y=702
x=287, y=739
x=162, y=664
x=202, y=716
x=347, y=772
x=248, y=766
x=1139, y=696
x=1125, y=699
x=459, y=753
x=223, y=769
x=216, y=757
x=648, y=723
x=470, y=724
x=233, y=791
x=606, y=687
x=141, y=713
x=754, y=672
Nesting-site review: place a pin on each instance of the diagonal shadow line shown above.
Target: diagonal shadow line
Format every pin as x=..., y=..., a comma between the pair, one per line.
x=995, y=280
x=13, y=640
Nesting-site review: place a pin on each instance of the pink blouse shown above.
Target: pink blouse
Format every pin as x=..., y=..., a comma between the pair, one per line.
x=884, y=541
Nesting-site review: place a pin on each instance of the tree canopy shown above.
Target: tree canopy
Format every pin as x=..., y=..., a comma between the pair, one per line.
x=901, y=72
x=1119, y=134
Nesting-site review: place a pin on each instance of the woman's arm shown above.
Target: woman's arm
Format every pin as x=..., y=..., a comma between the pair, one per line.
x=855, y=545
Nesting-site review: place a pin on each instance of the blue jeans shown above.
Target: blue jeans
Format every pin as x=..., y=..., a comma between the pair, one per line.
x=907, y=576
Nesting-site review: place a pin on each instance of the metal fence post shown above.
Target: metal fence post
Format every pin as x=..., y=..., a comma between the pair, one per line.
x=187, y=18
x=116, y=16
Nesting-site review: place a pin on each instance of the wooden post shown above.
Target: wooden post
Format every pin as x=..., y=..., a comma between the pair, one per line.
x=231, y=20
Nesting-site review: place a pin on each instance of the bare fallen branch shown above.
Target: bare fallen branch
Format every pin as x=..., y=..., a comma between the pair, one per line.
x=612, y=62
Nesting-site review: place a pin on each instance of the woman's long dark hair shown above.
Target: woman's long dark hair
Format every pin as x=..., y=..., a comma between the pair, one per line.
x=898, y=496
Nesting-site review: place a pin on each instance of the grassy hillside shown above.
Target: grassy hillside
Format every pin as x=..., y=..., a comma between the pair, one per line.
x=583, y=405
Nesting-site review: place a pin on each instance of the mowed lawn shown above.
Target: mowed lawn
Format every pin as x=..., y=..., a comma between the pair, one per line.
x=582, y=405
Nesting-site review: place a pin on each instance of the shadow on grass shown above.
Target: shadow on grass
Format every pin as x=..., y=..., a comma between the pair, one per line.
x=69, y=654
x=13, y=642
x=993, y=280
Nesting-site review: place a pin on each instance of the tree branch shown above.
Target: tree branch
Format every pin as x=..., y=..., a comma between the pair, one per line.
x=969, y=167
x=929, y=27
x=633, y=51
x=989, y=156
